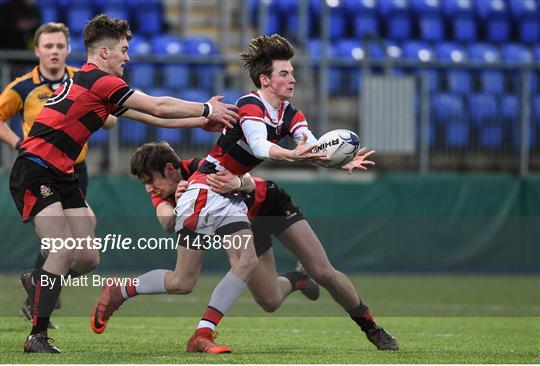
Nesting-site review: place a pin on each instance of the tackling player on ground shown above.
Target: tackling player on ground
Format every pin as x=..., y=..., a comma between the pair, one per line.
x=42, y=181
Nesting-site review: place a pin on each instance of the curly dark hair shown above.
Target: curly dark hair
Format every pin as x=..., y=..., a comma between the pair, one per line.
x=102, y=27
x=257, y=58
x=152, y=157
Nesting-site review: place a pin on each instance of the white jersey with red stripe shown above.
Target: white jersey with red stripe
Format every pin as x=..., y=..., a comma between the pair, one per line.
x=243, y=147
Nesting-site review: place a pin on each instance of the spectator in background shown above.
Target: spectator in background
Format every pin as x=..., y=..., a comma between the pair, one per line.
x=20, y=19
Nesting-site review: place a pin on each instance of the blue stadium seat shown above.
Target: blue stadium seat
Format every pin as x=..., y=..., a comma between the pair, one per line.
x=165, y=44
x=77, y=16
x=314, y=51
x=171, y=135
x=149, y=17
x=194, y=95
x=337, y=26
x=490, y=136
x=99, y=138
x=141, y=75
x=363, y=16
x=516, y=53
x=349, y=80
x=483, y=108
x=76, y=44
x=116, y=10
x=535, y=110
x=49, y=11
x=526, y=18
x=459, y=81
x=430, y=20
x=460, y=14
x=447, y=108
x=175, y=75
x=421, y=51
x=493, y=15
x=231, y=95
x=397, y=18
x=510, y=108
x=449, y=114
x=139, y=46
x=133, y=133
x=203, y=47
x=491, y=80
x=536, y=52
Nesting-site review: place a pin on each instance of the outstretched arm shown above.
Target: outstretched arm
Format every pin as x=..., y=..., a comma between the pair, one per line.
x=165, y=122
x=169, y=107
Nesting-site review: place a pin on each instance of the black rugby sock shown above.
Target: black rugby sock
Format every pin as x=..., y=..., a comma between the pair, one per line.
x=363, y=318
x=47, y=290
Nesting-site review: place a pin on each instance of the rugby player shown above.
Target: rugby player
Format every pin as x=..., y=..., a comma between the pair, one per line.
x=271, y=210
x=201, y=211
x=42, y=182
x=28, y=94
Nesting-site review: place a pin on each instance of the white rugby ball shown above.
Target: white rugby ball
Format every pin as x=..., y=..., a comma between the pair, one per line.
x=339, y=145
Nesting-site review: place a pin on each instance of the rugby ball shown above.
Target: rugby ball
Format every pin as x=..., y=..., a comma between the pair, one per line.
x=339, y=145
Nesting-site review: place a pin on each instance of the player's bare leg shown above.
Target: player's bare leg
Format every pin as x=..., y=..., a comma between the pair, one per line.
x=270, y=290
x=243, y=264
x=44, y=285
x=302, y=241
x=160, y=281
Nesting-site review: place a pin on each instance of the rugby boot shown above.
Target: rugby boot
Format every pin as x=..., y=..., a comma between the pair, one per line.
x=311, y=289
x=203, y=341
x=382, y=339
x=27, y=307
x=109, y=301
x=39, y=343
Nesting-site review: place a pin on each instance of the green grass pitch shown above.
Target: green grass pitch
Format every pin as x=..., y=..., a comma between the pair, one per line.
x=436, y=318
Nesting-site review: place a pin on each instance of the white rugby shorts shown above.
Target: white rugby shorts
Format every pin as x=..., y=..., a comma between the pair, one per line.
x=202, y=211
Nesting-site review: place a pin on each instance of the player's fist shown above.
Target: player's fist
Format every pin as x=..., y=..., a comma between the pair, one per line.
x=223, y=113
x=180, y=189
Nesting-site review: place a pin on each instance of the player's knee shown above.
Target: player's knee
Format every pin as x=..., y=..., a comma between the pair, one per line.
x=181, y=285
x=249, y=264
x=86, y=263
x=269, y=305
x=325, y=276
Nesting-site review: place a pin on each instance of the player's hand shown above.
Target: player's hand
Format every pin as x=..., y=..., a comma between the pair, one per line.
x=304, y=152
x=212, y=126
x=223, y=182
x=360, y=161
x=180, y=189
x=223, y=113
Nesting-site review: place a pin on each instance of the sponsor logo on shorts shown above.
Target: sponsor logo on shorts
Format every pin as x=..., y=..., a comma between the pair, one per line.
x=289, y=215
x=43, y=96
x=45, y=191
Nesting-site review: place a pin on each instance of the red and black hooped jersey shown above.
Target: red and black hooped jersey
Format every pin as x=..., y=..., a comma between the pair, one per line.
x=77, y=109
x=253, y=200
x=232, y=150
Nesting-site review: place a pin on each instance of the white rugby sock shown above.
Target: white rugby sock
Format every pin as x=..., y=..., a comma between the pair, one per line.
x=152, y=282
x=227, y=291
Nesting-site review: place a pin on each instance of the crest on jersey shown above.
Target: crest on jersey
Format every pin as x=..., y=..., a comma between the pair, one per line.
x=45, y=191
